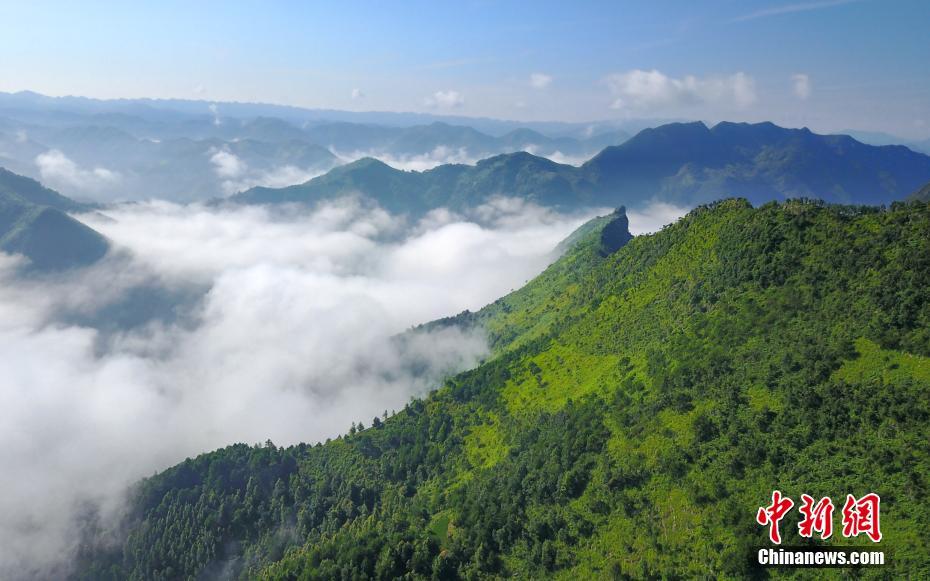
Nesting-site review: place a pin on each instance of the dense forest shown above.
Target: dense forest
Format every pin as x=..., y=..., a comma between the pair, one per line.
x=642, y=399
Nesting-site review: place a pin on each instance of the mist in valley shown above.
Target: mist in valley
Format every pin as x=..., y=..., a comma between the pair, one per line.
x=207, y=326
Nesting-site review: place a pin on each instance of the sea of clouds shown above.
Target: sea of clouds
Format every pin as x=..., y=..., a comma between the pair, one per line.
x=258, y=324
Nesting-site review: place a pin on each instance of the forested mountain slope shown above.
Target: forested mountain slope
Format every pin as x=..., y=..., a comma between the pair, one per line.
x=34, y=223
x=639, y=405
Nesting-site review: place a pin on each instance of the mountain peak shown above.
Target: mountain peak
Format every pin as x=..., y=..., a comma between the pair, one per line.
x=656, y=145
x=669, y=132
x=616, y=233
x=366, y=163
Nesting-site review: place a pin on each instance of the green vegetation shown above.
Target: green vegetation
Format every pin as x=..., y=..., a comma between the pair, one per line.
x=33, y=223
x=637, y=408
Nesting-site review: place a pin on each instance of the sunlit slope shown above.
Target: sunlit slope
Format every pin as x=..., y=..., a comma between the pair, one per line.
x=633, y=432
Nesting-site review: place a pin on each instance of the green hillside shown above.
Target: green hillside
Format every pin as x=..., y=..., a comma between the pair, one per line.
x=641, y=401
x=33, y=223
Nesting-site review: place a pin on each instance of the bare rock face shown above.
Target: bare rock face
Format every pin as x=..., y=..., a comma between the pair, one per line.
x=616, y=233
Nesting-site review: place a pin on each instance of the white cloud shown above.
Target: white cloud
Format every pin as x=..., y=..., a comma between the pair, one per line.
x=291, y=341
x=215, y=110
x=653, y=217
x=653, y=90
x=237, y=176
x=801, y=85
x=276, y=177
x=540, y=80
x=60, y=171
x=227, y=164
x=357, y=94
x=445, y=100
x=792, y=8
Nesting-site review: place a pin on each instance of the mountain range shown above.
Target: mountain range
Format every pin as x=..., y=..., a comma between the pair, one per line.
x=642, y=398
x=685, y=164
x=195, y=150
x=166, y=112
x=440, y=139
x=189, y=151
x=680, y=163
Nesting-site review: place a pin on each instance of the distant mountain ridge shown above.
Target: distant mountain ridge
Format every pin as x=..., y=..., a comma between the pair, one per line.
x=170, y=166
x=439, y=138
x=71, y=107
x=680, y=163
x=168, y=150
x=34, y=223
x=455, y=186
x=691, y=163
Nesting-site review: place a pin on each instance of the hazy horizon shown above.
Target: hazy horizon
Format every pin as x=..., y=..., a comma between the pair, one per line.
x=610, y=61
x=414, y=118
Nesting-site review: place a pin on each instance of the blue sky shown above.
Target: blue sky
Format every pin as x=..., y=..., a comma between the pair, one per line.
x=827, y=64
